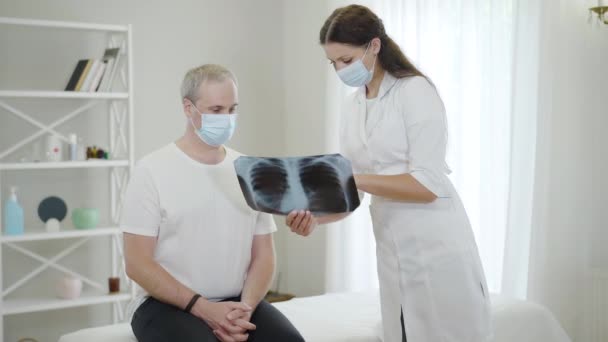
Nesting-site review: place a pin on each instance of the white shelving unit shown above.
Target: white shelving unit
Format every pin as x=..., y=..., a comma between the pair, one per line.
x=61, y=95
x=64, y=234
x=64, y=165
x=120, y=127
x=20, y=306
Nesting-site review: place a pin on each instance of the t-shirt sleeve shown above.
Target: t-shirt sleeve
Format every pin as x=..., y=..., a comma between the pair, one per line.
x=265, y=224
x=426, y=128
x=141, y=206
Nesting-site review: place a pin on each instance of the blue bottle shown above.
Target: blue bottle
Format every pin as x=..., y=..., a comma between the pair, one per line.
x=13, y=215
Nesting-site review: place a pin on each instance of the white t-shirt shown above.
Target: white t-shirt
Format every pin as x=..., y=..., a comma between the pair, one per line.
x=204, y=227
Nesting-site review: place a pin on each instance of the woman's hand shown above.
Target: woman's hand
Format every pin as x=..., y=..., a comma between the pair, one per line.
x=360, y=181
x=301, y=222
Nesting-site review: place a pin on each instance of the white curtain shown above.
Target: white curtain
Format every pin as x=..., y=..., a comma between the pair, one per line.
x=466, y=48
x=515, y=92
x=569, y=86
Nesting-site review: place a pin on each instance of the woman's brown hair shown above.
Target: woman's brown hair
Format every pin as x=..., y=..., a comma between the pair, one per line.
x=357, y=25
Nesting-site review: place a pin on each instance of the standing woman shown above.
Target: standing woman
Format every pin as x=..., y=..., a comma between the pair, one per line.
x=432, y=285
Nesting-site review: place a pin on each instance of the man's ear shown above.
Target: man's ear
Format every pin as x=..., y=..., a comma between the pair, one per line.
x=186, y=104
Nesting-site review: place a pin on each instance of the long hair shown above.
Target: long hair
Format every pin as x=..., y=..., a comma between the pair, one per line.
x=357, y=25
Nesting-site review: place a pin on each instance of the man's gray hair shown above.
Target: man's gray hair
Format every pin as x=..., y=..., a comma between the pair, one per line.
x=196, y=76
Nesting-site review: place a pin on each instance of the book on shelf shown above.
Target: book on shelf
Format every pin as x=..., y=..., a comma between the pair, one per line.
x=91, y=75
x=86, y=85
x=98, y=76
x=110, y=58
x=76, y=75
x=84, y=74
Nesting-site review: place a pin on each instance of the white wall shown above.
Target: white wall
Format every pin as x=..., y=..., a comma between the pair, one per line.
x=572, y=156
x=312, y=92
x=597, y=149
x=305, y=72
x=168, y=39
x=598, y=145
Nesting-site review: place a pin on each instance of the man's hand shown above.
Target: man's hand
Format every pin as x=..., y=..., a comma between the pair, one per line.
x=241, y=319
x=301, y=222
x=216, y=316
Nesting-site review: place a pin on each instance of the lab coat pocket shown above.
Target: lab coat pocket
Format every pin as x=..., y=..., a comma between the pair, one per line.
x=458, y=297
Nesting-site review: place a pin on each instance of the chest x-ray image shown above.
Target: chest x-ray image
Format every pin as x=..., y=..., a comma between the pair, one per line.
x=322, y=184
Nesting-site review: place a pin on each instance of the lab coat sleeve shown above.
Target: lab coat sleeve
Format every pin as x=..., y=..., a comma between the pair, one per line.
x=265, y=224
x=426, y=130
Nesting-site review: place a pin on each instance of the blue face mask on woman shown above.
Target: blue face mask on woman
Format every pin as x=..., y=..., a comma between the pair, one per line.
x=356, y=74
x=216, y=129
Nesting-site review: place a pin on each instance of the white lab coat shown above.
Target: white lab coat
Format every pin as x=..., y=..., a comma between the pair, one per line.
x=428, y=262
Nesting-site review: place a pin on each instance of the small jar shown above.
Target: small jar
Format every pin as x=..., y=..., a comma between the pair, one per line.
x=114, y=284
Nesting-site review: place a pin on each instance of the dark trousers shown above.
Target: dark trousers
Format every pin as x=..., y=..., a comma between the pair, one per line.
x=155, y=321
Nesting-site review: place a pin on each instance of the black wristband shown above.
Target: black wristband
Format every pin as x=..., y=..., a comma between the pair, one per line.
x=192, y=302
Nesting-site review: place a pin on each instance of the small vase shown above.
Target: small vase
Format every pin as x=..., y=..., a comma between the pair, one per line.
x=69, y=288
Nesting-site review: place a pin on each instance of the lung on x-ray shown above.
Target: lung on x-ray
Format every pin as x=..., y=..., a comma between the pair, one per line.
x=322, y=184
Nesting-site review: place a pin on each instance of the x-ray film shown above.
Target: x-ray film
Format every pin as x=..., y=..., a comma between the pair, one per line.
x=322, y=184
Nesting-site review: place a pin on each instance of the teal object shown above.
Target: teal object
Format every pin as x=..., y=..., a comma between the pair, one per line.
x=52, y=207
x=13, y=215
x=85, y=218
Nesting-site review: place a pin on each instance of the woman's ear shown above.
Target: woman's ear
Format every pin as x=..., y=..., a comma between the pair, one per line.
x=376, y=45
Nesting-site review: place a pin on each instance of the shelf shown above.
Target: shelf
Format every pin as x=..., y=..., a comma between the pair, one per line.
x=62, y=95
x=24, y=305
x=64, y=234
x=63, y=24
x=64, y=165
x=120, y=129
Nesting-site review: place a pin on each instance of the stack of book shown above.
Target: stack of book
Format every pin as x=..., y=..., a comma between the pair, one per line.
x=91, y=75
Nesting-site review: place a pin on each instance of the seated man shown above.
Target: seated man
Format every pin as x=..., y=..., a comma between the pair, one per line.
x=202, y=258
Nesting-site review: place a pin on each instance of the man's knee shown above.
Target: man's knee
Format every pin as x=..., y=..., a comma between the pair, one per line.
x=283, y=332
x=294, y=336
x=272, y=325
x=288, y=334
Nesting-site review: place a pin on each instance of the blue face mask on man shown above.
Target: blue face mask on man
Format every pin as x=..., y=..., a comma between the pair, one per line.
x=216, y=129
x=356, y=74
